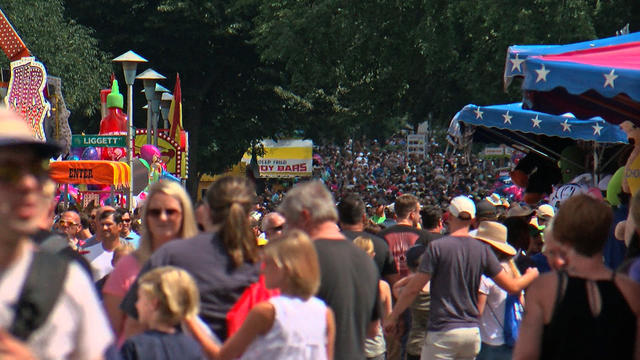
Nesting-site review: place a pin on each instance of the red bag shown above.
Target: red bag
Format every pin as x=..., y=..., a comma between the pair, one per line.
x=252, y=295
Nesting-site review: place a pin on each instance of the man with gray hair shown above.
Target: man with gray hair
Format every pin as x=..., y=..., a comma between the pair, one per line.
x=349, y=282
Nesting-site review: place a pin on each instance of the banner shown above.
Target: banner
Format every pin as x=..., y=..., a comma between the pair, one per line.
x=284, y=159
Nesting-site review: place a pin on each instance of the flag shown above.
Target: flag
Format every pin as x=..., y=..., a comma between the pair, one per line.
x=175, y=112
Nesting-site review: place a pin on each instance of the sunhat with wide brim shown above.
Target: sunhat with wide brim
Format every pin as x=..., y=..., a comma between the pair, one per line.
x=15, y=133
x=494, y=234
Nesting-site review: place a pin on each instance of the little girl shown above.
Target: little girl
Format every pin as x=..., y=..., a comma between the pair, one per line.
x=294, y=325
x=166, y=296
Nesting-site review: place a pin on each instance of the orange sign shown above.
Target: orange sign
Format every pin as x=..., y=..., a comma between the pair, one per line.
x=96, y=172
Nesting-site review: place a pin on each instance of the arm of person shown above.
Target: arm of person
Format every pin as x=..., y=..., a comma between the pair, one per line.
x=513, y=285
x=258, y=322
x=398, y=287
x=530, y=332
x=13, y=349
x=385, y=298
x=331, y=333
x=482, y=302
x=116, y=316
x=417, y=282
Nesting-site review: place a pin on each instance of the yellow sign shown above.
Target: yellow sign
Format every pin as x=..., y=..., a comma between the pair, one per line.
x=632, y=175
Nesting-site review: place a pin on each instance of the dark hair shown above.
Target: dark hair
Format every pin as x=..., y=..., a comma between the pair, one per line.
x=84, y=220
x=517, y=232
x=405, y=204
x=583, y=223
x=117, y=218
x=431, y=216
x=122, y=211
x=351, y=209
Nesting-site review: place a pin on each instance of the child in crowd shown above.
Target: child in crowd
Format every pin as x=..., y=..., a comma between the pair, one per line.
x=295, y=325
x=166, y=296
x=376, y=348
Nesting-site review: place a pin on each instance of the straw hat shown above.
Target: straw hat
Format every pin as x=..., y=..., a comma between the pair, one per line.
x=494, y=234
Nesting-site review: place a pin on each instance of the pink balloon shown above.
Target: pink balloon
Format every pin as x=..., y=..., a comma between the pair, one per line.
x=147, y=152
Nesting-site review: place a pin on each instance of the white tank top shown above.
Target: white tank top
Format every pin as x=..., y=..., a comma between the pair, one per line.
x=299, y=331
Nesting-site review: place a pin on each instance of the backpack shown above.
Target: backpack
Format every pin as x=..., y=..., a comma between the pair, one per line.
x=40, y=292
x=513, y=312
x=252, y=295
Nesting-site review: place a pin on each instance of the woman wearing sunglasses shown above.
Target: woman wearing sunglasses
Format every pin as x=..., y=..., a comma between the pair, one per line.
x=166, y=215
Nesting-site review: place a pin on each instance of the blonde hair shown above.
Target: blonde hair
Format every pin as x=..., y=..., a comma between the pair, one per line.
x=174, y=290
x=364, y=243
x=188, y=228
x=295, y=254
x=124, y=248
x=231, y=199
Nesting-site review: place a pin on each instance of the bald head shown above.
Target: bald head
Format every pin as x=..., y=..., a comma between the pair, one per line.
x=272, y=224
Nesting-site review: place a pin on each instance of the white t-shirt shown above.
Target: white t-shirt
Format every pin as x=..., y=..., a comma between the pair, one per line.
x=77, y=327
x=100, y=260
x=492, y=319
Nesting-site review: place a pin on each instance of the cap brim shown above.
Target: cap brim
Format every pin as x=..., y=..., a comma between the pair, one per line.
x=43, y=149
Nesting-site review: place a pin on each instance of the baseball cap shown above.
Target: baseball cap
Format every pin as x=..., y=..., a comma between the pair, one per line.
x=462, y=204
x=485, y=209
x=545, y=210
x=15, y=132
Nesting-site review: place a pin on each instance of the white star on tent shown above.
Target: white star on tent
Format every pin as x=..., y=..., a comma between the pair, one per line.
x=536, y=122
x=609, y=78
x=516, y=63
x=507, y=117
x=542, y=74
x=596, y=129
x=478, y=113
x=566, y=126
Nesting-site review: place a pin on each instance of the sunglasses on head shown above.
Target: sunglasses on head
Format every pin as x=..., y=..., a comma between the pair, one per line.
x=11, y=172
x=158, y=212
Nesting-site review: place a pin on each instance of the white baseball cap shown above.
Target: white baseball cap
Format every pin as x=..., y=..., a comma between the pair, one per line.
x=462, y=204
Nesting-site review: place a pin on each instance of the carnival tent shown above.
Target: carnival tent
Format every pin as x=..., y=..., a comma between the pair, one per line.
x=517, y=54
x=594, y=82
x=98, y=172
x=512, y=117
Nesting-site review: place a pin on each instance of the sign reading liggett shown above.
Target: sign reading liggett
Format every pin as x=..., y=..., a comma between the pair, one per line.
x=98, y=141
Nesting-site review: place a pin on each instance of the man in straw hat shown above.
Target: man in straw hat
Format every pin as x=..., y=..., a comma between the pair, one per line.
x=454, y=264
x=75, y=325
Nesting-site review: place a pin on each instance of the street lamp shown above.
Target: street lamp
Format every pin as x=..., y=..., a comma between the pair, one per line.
x=155, y=109
x=149, y=79
x=165, y=106
x=130, y=62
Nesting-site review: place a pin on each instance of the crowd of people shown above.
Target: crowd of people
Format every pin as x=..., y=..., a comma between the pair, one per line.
x=381, y=256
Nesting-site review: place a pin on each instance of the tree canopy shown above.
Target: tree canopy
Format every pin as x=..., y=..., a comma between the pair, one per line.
x=323, y=69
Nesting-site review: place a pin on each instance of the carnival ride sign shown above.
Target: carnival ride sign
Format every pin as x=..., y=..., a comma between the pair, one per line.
x=26, y=93
x=173, y=155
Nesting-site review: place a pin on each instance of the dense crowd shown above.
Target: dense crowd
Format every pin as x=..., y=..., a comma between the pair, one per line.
x=381, y=256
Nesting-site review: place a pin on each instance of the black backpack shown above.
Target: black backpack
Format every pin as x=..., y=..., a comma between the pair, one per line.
x=40, y=291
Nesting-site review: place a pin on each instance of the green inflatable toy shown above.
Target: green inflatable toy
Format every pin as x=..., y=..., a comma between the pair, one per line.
x=615, y=187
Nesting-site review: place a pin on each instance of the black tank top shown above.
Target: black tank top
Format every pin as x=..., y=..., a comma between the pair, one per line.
x=575, y=333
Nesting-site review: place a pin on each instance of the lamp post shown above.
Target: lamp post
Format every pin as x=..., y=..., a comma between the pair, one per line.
x=155, y=109
x=165, y=106
x=149, y=79
x=130, y=62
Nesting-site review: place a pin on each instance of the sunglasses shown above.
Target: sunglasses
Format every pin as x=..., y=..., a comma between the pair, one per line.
x=275, y=229
x=126, y=220
x=67, y=223
x=12, y=172
x=167, y=212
